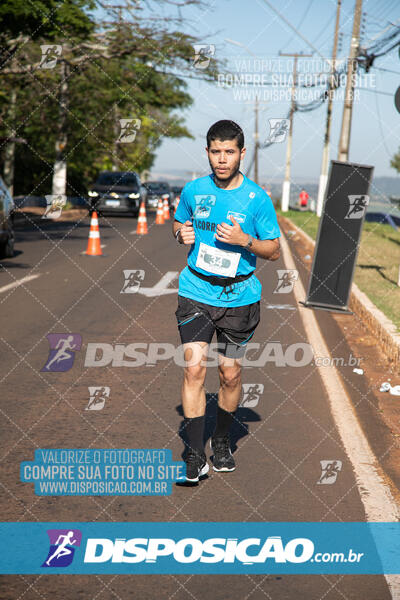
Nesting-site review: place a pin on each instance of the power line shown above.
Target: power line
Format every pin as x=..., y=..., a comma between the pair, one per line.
x=387, y=70
x=295, y=30
x=301, y=21
x=324, y=28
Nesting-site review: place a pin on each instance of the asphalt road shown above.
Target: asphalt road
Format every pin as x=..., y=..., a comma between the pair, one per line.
x=279, y=441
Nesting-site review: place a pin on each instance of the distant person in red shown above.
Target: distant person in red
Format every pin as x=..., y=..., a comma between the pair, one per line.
x=303, y=197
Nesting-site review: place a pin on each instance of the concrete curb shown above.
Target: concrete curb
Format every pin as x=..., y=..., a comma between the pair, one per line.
x=377, y=322
x=35, y=214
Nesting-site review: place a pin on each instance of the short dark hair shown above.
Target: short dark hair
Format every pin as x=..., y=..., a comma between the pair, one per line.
x=225, y=130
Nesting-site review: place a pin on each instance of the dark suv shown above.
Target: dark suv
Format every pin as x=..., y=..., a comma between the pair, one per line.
x=6, y=222
x=117, y=192
x=158, y=190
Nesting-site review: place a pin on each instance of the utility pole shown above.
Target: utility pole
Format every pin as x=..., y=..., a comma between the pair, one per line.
x=59, y=184
x=9, y=150
x=344, y=142
x=256, y=139
x=323, y=178
x=286, y=183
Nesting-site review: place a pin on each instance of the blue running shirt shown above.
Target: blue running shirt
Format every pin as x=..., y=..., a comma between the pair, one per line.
x=209, y=205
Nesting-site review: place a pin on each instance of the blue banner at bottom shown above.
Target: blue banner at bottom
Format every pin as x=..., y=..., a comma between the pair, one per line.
x=202, y=547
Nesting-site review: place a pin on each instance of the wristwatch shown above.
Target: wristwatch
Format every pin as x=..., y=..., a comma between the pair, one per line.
x=249, y=243
x=177, y=235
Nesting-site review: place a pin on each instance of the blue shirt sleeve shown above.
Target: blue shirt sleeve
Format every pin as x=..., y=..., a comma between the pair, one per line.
x=265, y=221
x=184, y=211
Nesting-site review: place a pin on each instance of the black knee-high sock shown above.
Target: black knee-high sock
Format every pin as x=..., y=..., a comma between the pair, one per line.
x=195, y=432
x=224, y=422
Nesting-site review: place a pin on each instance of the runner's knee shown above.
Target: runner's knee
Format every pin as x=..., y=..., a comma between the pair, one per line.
x=195, y=374
x=230, y=376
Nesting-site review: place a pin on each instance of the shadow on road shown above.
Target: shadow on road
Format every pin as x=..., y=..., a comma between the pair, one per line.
x=239, y=427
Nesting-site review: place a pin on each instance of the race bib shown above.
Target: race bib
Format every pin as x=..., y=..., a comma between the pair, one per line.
x=217, y=261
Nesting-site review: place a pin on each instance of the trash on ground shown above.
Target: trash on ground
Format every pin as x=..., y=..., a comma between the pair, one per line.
x=358, y=371
x=386, y=387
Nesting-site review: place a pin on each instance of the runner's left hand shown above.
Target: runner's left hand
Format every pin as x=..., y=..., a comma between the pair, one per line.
x=231, y=234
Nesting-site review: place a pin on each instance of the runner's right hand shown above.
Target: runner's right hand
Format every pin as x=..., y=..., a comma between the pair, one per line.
x=187, y=232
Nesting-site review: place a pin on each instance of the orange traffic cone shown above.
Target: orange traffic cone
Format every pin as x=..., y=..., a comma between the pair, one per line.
x=176, y=204
x=166, y=210
x=142, y=220
x=94, y=248
x=160, y=213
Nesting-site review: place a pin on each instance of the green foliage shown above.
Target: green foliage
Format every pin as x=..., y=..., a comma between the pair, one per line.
x=116, y=71
x=47, y=19
x=395, y=162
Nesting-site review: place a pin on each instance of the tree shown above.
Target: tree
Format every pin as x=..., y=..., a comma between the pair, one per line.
x=395, y=162
x=126, y=68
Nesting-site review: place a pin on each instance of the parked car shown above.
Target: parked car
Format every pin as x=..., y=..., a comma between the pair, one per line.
x=117, y=192
x=177, y=190
x=157, y=190
x=6, y=222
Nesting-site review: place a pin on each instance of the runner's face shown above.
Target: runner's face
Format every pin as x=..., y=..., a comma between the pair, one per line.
x=224, y=158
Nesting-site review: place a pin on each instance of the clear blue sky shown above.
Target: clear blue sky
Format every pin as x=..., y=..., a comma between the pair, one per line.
x=375, y=134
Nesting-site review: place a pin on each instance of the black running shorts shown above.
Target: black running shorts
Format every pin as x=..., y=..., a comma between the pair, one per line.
x=235, y=325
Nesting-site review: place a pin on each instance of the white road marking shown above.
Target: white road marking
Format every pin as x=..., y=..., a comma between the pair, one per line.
x=161, y=288
x=281, y=306
x=375, y=495
x=19, y=282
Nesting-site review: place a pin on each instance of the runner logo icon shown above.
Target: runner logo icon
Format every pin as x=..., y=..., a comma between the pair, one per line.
x=98, y=396
x=50, y=54
x=62, y=351
x=286, y=280
x=202, y=55
x=133, y=278
x=357, y=206
x=62, y=547
x=55, y=204
x=330, y=470
x=204, y=202
x=278, y=130
x=251, y=394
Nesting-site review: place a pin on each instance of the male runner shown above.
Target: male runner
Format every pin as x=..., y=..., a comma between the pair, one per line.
x=227, y=220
